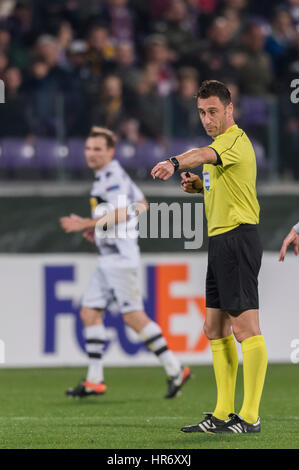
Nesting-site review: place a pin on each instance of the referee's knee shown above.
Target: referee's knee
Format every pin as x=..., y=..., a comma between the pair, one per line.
x=213, y=332
x=243, y=333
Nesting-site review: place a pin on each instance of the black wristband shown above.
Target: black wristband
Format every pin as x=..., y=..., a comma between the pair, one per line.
x=174, y=162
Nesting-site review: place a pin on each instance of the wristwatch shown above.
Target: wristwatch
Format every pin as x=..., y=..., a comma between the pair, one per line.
x=175, y=163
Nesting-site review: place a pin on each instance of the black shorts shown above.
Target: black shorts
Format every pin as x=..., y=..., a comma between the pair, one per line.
x=234, y=261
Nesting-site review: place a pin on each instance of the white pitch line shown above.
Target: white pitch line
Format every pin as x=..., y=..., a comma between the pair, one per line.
x=45, y=418
x=101, y=418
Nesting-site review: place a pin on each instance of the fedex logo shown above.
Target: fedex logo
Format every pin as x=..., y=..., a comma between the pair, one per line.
x=180, y=317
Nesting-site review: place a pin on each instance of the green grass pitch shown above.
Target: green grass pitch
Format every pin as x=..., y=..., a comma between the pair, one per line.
x=35, y=413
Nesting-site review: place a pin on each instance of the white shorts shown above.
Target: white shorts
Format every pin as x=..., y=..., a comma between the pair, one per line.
x=116, y=288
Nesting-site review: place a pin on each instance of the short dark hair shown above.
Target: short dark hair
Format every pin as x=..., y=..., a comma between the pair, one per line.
x=210, y=88
x=110, y=137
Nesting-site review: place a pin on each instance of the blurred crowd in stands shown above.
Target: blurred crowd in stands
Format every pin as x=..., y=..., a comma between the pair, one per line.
x=135, y=66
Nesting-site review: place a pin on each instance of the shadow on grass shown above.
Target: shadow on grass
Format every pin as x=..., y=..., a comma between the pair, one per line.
x=97, y=401
x=100, y=400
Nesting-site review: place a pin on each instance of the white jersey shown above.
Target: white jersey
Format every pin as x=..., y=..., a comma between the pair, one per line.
x=112, y=189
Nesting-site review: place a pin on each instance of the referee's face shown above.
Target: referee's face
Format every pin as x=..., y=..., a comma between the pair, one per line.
x=97, y=153
x=215, y=117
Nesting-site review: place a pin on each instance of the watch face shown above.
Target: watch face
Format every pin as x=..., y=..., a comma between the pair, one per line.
x=174, y=162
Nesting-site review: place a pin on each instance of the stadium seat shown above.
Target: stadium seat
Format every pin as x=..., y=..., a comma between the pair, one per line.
x=16, y=153
x=76, y=157
x=125, y=153
x=49, y=154
x=139, y=159
x=149, y=152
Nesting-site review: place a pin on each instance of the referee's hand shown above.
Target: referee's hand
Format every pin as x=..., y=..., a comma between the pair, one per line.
x=163, y=170
x=191, y=183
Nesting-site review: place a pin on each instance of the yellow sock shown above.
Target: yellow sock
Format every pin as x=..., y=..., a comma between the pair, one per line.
x=225, y=361
x=254, y=371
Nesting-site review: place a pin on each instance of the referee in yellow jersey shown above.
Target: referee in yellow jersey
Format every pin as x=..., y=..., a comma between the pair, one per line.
x=234, y=258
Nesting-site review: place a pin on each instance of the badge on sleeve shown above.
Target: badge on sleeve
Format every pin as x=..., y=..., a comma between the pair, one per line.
x=206, y=179
x=111, y=188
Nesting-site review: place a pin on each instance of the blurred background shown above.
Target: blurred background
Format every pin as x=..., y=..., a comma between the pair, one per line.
x=135, y=66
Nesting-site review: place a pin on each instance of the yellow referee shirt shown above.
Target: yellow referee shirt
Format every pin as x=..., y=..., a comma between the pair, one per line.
x=230, y=188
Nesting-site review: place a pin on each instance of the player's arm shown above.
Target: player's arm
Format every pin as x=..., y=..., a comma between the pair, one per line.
x=121, y=214
x=190, y=159
x=75, y=223
x=291, y=239
x=89, y=235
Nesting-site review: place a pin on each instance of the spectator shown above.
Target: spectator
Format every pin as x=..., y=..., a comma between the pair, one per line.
x=254, y=63
x=5, y=40
x=208, y=9
x=183, y=112
x=282, y=35
x=101, y=45
x=177, y=29
x=64, y=38
x=21, y=23
x=206, y=6
x=215, y=52
x=288, y=65
x=157, y=52
x=3, y=64
x=14, y=118
x=77, y=115
x=239, y=6
x=137, y=60
x=294, y=10
x=109, y=110
x=120, y=19
x=234, y=22
x=6, y=8
x=262, y=8
x=125, y=66
x=47, y=84
x=289, y=164
x=235, y=95
x=77, y=60
x=14, y=49
x=47, y=49
x=149, y=108
x=142, y=19
x=100, y=56
x=289, y=113
x=129, y=132
x=158, y=9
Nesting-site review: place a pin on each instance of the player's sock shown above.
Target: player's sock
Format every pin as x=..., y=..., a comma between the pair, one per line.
x=155, y=341
x=225, y=362
x=95, y=338
x=254, y=371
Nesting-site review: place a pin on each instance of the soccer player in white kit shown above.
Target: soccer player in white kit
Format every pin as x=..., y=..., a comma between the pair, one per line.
x=116, y=278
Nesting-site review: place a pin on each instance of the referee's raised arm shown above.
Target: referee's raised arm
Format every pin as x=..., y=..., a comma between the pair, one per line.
x=190, y=159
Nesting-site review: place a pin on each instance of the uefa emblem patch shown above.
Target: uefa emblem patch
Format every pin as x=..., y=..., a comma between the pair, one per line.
x=206, y=179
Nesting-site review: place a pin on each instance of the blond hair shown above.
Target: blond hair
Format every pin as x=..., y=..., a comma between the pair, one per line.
x=109, y=135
